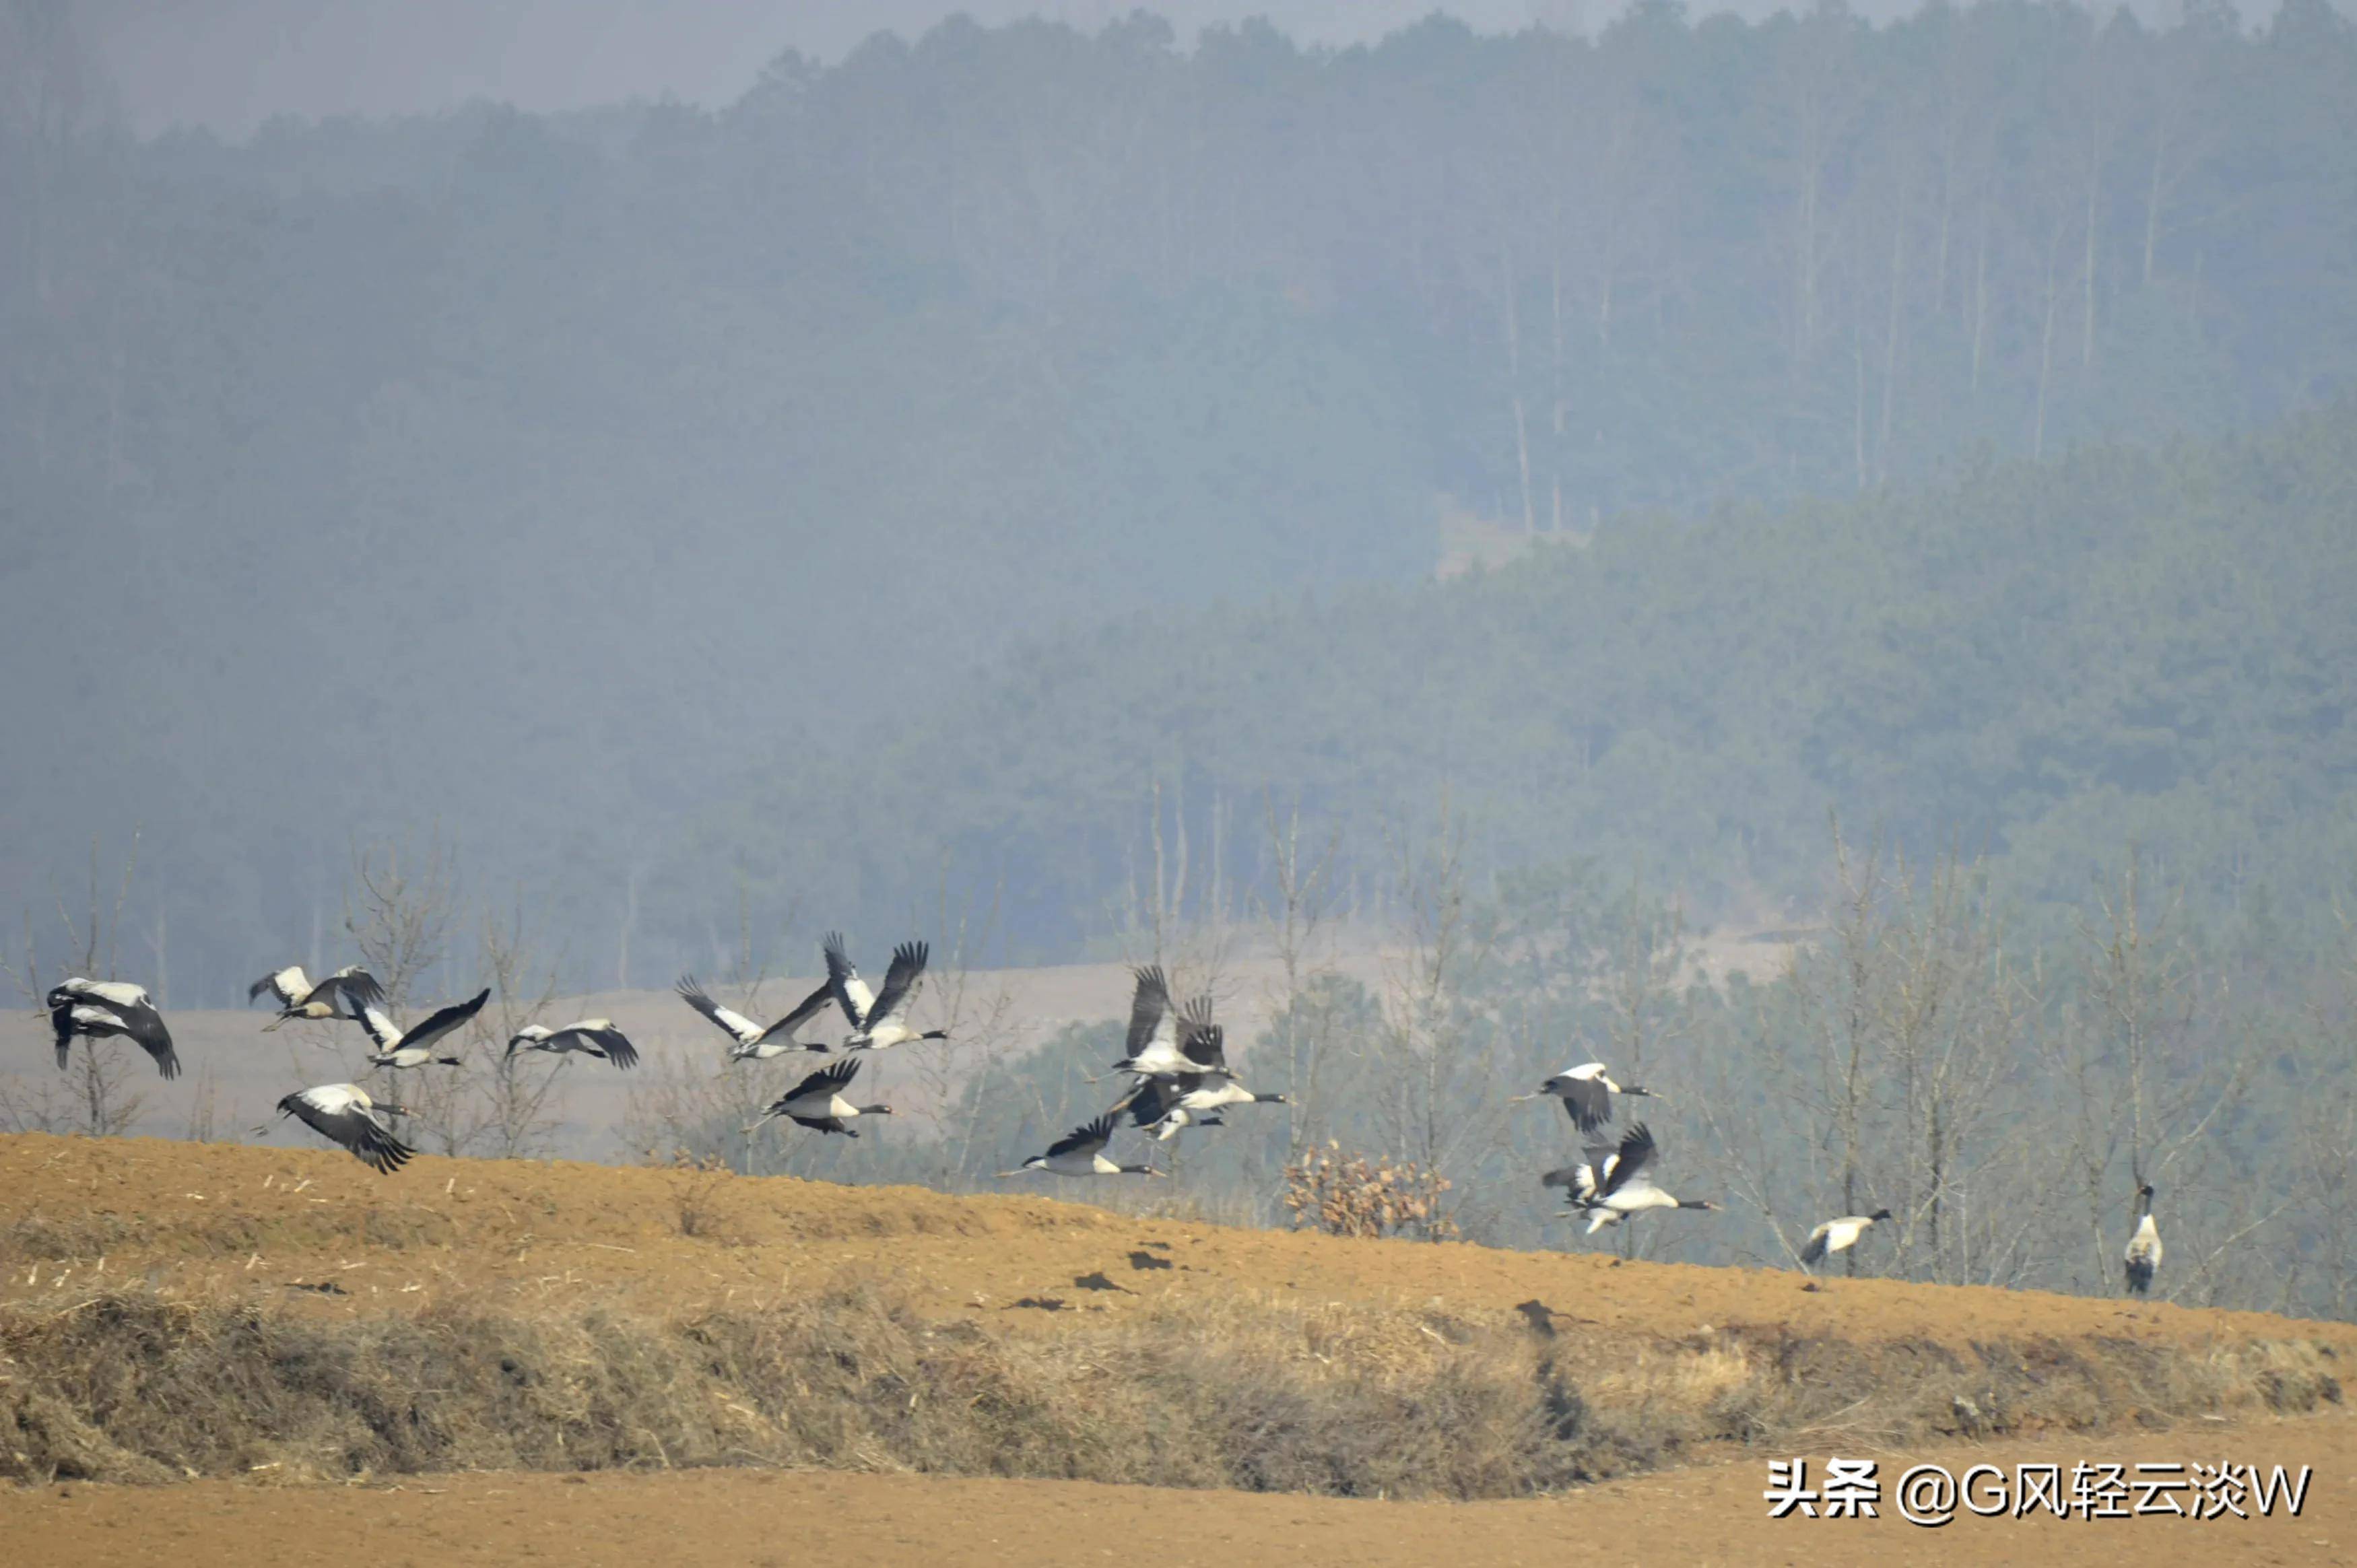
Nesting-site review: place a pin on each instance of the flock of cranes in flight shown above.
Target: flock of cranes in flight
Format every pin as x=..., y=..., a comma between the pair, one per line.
x=1175, y=1057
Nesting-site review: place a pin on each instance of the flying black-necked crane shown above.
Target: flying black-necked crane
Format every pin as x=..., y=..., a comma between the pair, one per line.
x=1624, y=1187
x=817, y=1102
x=1582, y=1181
x=880, y=1022
x=1080, y=1153
x=413, y=1047
x=1586, y=1092
x=344, y=1113
x=755, y=1042
x=1163, y=1105
x=1164, y=1042
x=1153, y=1106
x=341, y=995
x=98, y=1008
x=2143, y=1256
x=595, y=1038
x=1838, y=1235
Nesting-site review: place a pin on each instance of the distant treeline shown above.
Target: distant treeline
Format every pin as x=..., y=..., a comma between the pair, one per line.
x=2049, y=665
x=654, y=498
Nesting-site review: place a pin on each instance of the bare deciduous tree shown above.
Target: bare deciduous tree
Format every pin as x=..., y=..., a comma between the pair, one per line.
x=492, y=1104
x=401, y=919
x=1298, y=911
x=1441, y=1099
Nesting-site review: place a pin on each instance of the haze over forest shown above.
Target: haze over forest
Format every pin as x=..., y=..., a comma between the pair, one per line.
x=888, y=478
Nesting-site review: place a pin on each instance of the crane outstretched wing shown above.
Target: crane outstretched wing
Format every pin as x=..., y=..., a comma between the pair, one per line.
x=1086, y=1137
x=743, y=1029
x=441, y=1021
x=843, y=979
x=900, y=981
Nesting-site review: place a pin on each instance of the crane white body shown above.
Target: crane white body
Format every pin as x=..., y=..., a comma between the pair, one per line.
x=1838, y=1235
x=96, y=1009
x=411, y=1047
x=1586, y=1092
x=880, y=1022
x=819, y=1102
x=340, y=995
x=2142, y=1260
x=1080, y=1153
x=758, y=1042
x=1621, y=1185
x=345, y=1113
x=594, y=1038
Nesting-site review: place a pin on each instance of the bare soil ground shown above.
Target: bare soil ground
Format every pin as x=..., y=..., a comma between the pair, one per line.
x=204, y=1221
x=1040, y=1305
x=1707, y=1515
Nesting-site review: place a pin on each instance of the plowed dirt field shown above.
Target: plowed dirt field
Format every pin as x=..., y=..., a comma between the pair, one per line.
x=313, y=1233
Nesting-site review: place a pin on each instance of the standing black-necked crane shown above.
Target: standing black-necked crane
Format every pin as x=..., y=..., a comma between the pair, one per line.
x=97, y=1008
x=344, y=1113
x=880, y=1022
x=341, y=995
x=1586, y=1092
x=1624, y=1187
x=1164, y=1042
x=1080, y=1153
x=754, y=1042
x=2143, y=1256
x=817, y=1102
x=413, y=1047
x=595, y=1038
x=1838, y=1235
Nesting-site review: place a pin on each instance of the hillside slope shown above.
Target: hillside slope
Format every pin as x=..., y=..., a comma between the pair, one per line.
x=178, y=1310
x=211, y=1221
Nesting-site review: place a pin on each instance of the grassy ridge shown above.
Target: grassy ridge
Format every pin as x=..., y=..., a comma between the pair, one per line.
x=1339, y=1400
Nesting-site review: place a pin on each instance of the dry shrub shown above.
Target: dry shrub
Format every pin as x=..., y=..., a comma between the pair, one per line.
x=695, y=1192
x=37, y=1235
x=1338, y=1399
x=1349, y=1195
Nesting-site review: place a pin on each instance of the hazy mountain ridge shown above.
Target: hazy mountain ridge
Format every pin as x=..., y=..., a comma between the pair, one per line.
x=567, y=481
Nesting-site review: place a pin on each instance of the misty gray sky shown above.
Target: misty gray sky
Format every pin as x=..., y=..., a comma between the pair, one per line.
x=230, y=65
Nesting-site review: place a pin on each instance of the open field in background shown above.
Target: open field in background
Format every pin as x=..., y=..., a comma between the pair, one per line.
x=234, y=1072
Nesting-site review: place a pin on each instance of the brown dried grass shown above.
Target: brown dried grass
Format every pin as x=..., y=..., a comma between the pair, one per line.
x=1227, y=1392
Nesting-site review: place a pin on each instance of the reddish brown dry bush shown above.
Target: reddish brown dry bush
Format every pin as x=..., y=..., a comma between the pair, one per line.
x=1349, y=1195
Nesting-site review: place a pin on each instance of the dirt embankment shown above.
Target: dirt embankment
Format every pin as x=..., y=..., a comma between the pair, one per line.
x=173, y=1310
x=202, y=1221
